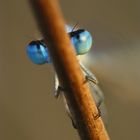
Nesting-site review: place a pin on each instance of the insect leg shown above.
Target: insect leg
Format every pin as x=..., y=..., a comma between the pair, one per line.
x=99, y=100
x=58, y=89
x=88, y=74
x=69, y=113
x=97, y=94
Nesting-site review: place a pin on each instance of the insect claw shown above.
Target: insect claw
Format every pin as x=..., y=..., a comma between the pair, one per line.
x=89, y=78
x=58, y=91
x=96, y=116
x=61, y=88
x=73, y=123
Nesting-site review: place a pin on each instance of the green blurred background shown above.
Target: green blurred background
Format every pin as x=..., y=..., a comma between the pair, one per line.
x=28, y=110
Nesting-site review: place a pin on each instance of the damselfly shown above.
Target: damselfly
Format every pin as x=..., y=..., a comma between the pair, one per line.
x=81, y=39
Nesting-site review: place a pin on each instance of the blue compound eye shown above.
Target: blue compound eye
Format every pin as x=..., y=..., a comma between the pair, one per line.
x=38, y=52
x=82, y=41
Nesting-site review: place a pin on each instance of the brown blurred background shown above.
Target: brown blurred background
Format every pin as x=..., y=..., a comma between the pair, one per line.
x=28, y=110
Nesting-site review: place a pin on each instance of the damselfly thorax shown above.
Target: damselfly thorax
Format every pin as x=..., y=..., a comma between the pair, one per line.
x=82, y=40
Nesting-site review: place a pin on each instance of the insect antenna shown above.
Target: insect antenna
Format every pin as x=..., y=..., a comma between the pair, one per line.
x=74, y=27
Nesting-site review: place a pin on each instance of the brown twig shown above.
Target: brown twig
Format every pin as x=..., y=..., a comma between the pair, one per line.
x=51, y=23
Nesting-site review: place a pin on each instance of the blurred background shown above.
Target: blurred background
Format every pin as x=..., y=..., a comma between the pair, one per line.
x=28, y=110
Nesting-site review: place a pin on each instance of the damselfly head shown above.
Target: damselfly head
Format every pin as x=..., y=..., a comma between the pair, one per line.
x=81, y=40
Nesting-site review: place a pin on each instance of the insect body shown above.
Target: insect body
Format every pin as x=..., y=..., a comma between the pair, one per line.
x=81, y=39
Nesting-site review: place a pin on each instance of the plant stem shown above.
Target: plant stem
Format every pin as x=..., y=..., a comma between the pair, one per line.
x=78, y=96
